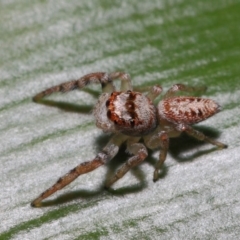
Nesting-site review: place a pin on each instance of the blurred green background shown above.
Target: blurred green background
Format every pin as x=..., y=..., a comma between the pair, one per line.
x=44, y=43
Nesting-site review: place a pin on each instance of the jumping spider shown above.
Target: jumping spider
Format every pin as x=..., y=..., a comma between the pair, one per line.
x=131, y=116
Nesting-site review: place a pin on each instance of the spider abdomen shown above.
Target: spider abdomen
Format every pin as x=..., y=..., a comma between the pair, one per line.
x=131, y=112
x=187, y=110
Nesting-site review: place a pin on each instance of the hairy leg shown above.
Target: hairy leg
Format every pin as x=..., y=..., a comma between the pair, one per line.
x=154, y=92
x=125, y=80
x=140, y=153
x=200, y=136
x=159, y=139
x=108, y=152
x=103, y=78
x=164, y=145
x=181, y=87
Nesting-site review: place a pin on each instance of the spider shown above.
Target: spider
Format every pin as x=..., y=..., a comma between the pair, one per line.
x=131, y=116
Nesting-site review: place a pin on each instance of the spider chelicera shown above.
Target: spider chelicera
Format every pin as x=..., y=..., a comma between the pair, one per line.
x=131, y=116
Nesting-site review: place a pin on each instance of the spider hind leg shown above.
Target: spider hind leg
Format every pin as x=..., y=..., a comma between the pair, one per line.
x=160, y=139
x=202, y=137
x=182, y=87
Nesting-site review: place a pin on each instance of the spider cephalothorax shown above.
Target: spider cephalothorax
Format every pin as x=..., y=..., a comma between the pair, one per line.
x=129, y=112
x=132, y=116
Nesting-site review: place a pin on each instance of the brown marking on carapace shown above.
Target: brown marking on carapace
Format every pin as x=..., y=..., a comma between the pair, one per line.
x=132, y=95
x=109, y=114
x=129, y=108
x=111, y=108
x=107, y=103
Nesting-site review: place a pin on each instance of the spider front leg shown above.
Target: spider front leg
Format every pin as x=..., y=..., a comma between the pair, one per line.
x=126, y=83
x=154, y=92
x=108, y=152
x=140, y=153
x=200, y=136
x=159, y=139
x=103, y=78
x=181, y=87
x=97, y=77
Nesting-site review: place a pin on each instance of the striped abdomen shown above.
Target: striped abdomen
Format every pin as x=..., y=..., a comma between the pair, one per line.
x=187, y=110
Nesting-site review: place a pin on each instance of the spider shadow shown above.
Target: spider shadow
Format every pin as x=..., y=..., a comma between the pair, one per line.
x=68, y=107
x=71, y=196
x=71, y=107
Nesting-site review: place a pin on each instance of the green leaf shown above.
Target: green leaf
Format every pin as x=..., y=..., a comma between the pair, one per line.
x=44, y=43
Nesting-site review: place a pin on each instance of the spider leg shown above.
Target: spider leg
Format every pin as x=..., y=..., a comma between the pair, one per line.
x=154, y=92
x=125, y=80
x=159, y=139
x=103, y=78
x=200, y=136
x=140, y=153
x=108, y=152
x=181, y=87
